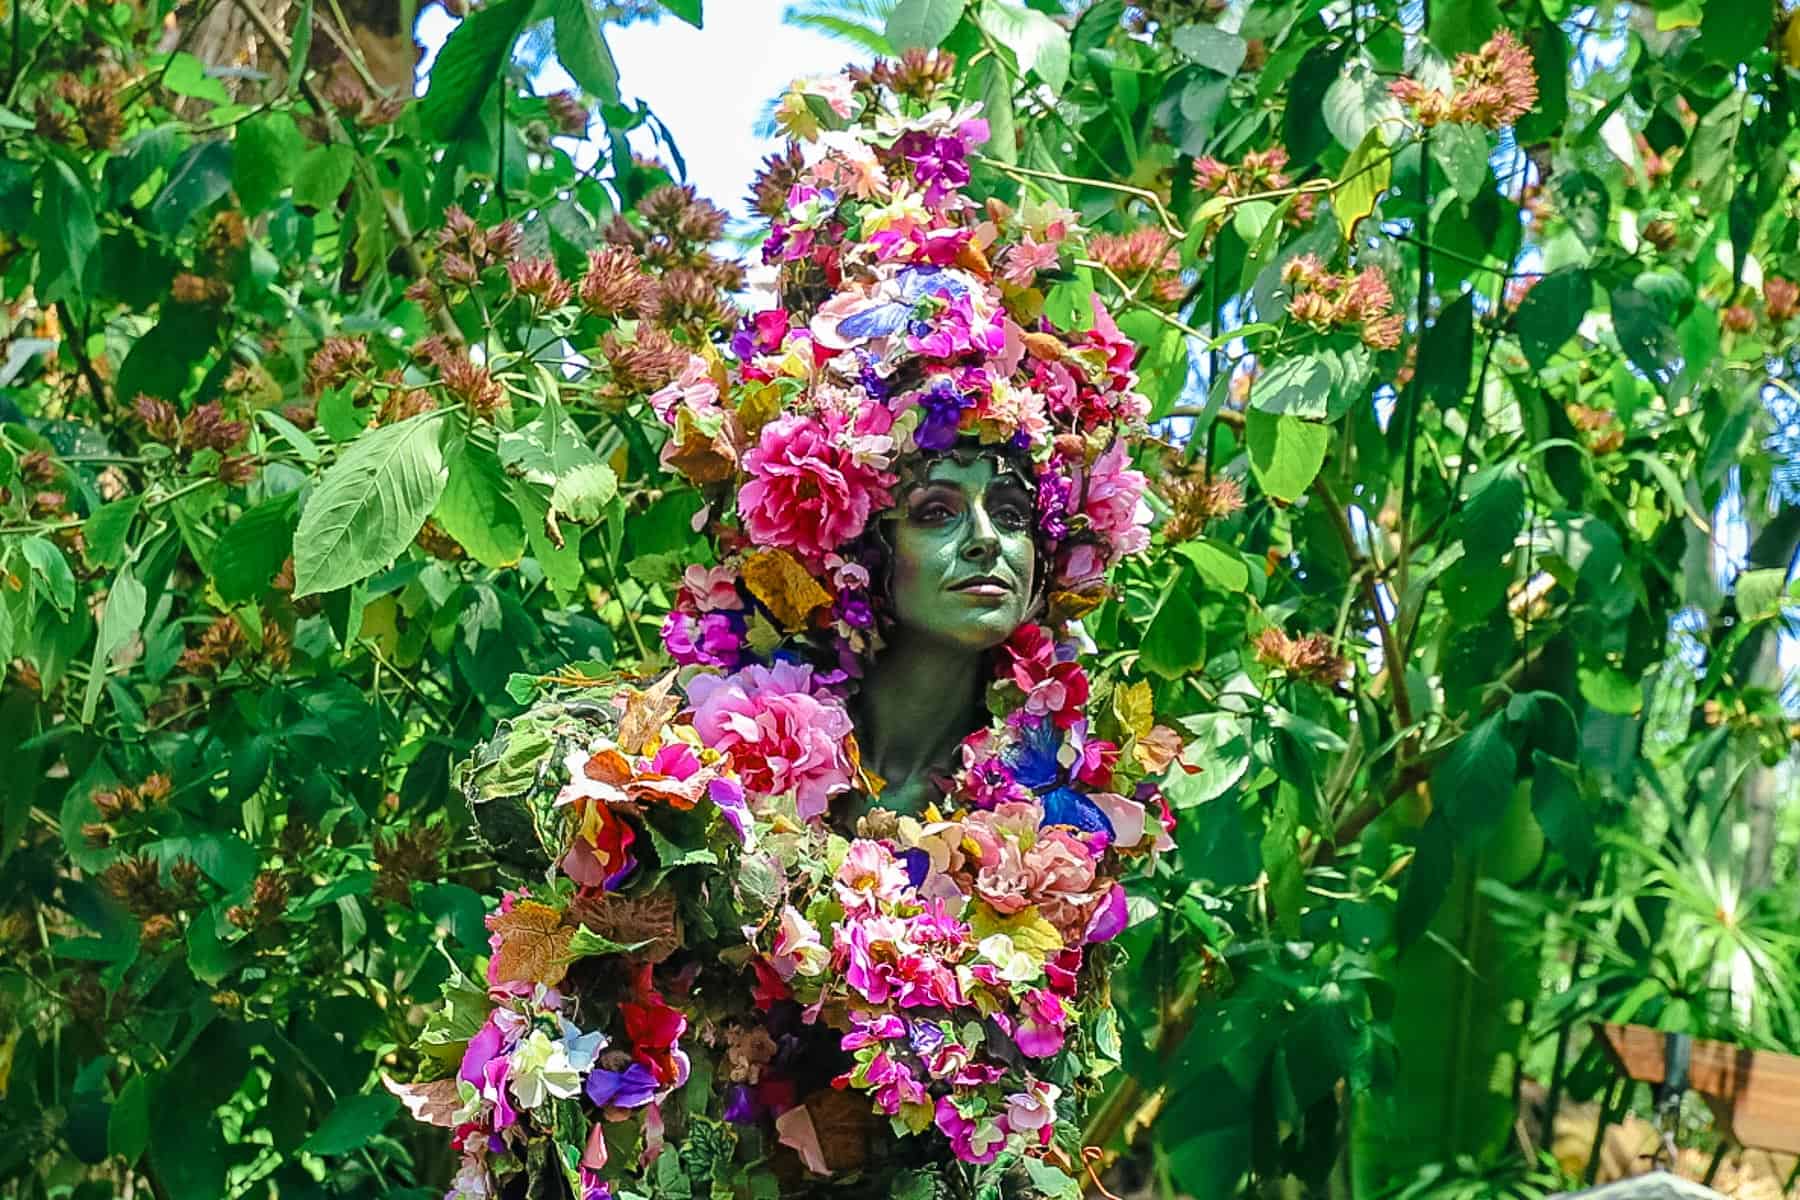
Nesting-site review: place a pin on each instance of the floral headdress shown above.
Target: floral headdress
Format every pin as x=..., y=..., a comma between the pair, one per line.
x=710, y=965
x=905, y=318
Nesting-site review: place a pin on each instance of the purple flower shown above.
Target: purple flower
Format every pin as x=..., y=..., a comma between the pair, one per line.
x=482, y=1048
x=943, y=405
x=633, y=1087
x=741, y=1107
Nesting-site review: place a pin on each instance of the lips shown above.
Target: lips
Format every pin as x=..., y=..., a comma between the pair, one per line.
x=983, y=585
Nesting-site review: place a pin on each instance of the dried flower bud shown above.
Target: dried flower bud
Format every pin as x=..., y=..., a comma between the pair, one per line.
x=1781, y=298
x=336, y=362
x=1307, y=657
x=615, y=284
x=568, y=113
x=537, y=280
x=472, y=385
x=159, y=419
x=205, y=428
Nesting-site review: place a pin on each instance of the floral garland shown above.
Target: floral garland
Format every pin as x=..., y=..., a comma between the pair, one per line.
x=712, y=967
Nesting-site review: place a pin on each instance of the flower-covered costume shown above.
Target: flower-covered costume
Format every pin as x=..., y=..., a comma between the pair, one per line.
x=713, y=982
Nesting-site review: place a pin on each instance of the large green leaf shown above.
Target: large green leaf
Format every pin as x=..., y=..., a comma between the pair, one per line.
x=474, y=57
x=202, y=176
x=1551, y=312
x=1472, y=783
x=1285, y=452
x=66, y=233
x=581, y=48
x=1456, y=995
x=1040, y=44
x=370, y=504
x=268, y=154
x=1175, y=641
x=922, y=24
x=476, y=510
x=252, y=548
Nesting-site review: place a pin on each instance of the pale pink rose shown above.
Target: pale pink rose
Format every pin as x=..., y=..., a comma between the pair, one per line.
x=1059, y=879
x=711, y=589
x=870, y=875
x=1113, y=501
x=1026, y=259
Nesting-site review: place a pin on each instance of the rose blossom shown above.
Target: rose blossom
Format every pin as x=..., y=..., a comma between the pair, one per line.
x=779, y=735
x=808, y=492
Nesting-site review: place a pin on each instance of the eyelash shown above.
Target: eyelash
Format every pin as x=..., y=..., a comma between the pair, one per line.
x=1011, y=515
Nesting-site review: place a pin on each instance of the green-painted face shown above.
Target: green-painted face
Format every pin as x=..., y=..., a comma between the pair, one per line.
x=964, y=557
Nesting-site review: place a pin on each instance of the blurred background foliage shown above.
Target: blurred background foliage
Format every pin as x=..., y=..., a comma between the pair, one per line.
x=1473, y=582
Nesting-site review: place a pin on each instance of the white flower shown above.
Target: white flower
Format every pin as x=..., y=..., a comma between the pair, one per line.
x=471, y=1183
x=541, y=1069
x=1016, y=966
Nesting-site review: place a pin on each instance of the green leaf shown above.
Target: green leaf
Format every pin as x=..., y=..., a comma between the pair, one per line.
x=1447, y=354
x=1356, y=103
x=473, y=58
x=1610, y=690
x=48, y=564
x=990, y=84
x=352, y=1124
x=290, y=433
x=65, y=232
x=1426, y=880
x=1285, y=452
x=586, y=942
x=301, y=46
x=581, y=494
x=687, y=10
x=1644, y=330
x=1732, y=30
x=122, y=616
x=128, y=1125
x=1552, y=311
x=1040, y=44
x=546, y=448
x=582, y=50
x=252, y=548
x=104, y=533
x=1365, y=176
x=1462, y=27
x=1299, y=386
x=209, y=958
x=322, y=175
x=1759, y=592
x=1491, y=519
x=201, y=177
x=922, y=24
x=370, y=504
x=1462, y=151
x=1211, y=47
x=1474, y=781
x=1220, y=566
x=1174, y=643
x=161, y=363
x=1562, y=812
x=476, y=510
x=268, y=154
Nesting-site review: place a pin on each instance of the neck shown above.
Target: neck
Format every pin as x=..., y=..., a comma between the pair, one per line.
x=919, y=699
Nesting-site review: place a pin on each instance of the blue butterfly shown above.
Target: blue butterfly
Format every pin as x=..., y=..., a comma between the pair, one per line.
x=885, y=317
x=1066, y=806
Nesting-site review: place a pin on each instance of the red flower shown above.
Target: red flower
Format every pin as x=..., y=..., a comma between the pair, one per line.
x=1052, y=688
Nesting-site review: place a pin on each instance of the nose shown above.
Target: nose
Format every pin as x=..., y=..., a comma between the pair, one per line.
x=982, y=542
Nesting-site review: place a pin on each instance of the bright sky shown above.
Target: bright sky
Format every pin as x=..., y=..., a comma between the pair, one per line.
x=709, y=86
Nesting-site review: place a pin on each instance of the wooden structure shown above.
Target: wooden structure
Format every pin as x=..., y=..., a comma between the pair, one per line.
x=1753, y=1093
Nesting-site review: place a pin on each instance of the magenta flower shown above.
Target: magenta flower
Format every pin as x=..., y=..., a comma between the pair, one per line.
x=1041, y=1020
x=808, y=492
x=971, y=1140
x=779, y=735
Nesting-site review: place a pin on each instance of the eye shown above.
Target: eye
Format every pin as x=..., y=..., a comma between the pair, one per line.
x=932, y=512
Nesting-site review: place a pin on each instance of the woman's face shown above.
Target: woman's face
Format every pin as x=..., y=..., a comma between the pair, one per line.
x=964, y=556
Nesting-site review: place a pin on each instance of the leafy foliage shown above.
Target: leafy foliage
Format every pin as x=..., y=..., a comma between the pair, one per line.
x=303, y=487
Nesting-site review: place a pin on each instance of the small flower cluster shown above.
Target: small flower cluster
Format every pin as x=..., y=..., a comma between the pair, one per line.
x=1326, y=300
x=1494, y=86
x=940, y=960
x=1260, y=171
x=1309, y=656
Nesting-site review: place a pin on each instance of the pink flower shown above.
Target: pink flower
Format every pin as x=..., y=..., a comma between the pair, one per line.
x=1041, y=1020
x=779, y=734
x=871, y=875
x=694, y=390
x=1057, y=689
x=867, y=950
x=797, y=946
x=1033, y=1111
x=809, y=491
x=1113, y=502
x=1058, y=875
x=710, y=589
x=972, y=1140
x=1026, y=259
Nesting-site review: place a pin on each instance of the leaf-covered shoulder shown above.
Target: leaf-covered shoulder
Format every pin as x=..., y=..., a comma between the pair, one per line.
x=510, y=781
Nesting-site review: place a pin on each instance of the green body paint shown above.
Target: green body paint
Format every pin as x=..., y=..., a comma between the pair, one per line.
x=964, y=570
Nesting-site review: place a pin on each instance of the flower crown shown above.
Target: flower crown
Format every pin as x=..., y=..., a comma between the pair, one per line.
x=906, y=319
